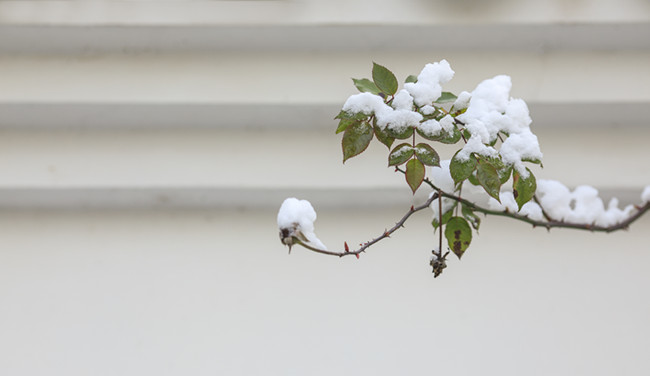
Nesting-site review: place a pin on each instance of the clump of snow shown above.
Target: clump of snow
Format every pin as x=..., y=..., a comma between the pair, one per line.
x=582, y=206
x=530, y=209
x=507, y=202
x=428, y=88
x=430, y=128
x=366, y=103
x=403, y=100
x=447, y=123
x=395, y=119
x=428, y=110
x=491, y=110
x=555, y=198
x=462, y=101
x=297, y=217
x=398, y=120
x=520, y=146
x=645, y=196
x=474, y=145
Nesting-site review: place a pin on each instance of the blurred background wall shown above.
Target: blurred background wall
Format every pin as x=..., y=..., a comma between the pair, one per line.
x=145, y=147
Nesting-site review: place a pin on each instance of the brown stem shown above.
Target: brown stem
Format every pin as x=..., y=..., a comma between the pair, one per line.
x=549, y=222
x=440, y=223
x=385, y=234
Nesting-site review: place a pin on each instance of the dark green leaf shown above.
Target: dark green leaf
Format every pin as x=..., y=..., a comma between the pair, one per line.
x=458, y=234
x=344, y=124
x=443, y=136
x=461, y=170
x=356, y=139
x=384, y=79
x=400, y=154
x=446, y=138
x=414, y=174
x=523, y=188
x=472, y=179
x=489, y=179
x=402, y=134
x=503, y=170
x=445, y=218
x=366, y=86
x=411, y=78
x=532, y=160
x=471, y=217
x=351, y=115
x=383, y=136
x=446, y=97
x=504, y=173
x=427, y=155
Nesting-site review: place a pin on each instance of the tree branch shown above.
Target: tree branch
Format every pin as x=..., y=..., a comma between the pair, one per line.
x=548, y=223
x=384, y=235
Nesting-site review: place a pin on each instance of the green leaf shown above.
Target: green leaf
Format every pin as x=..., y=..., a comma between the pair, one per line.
x=459, y=235
x=366, y=86
x=344, y=124
x=472, y=179
x=351, y=115
x=445, y=218
x=427, y=155
x=401, y=154
x=403, y=134
x=414, y=174
x=523, y=188
x=503, y=170
x=383, y=136
x=471, y=217
x=446, y=97
x=411, y=78
x=532, y=160
x=356, y=139
x=504, y=173
x=443, y=136
x=489, y=179
x=384, y=79
x=461, y=170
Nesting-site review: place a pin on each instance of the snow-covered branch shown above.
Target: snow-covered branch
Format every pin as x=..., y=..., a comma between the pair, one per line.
x=487, y=174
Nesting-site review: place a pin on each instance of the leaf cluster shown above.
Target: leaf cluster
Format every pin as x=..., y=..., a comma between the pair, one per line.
x=417, y=151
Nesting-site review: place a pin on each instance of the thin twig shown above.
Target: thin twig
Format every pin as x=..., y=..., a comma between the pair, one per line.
x=544, y=213
x=440, y=224
x=548, y=223
x=385, y=234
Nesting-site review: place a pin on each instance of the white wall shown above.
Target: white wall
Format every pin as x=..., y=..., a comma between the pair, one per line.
x=212, y=292
x=145, y=147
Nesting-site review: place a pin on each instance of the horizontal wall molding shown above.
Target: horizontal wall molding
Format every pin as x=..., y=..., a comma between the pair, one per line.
x=275, y=116
x=53, y=39
x=245, y=198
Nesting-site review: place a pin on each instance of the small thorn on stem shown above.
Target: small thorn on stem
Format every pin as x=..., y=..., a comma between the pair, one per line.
x=347, y=249
x=412, y=208
x=357, y=256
